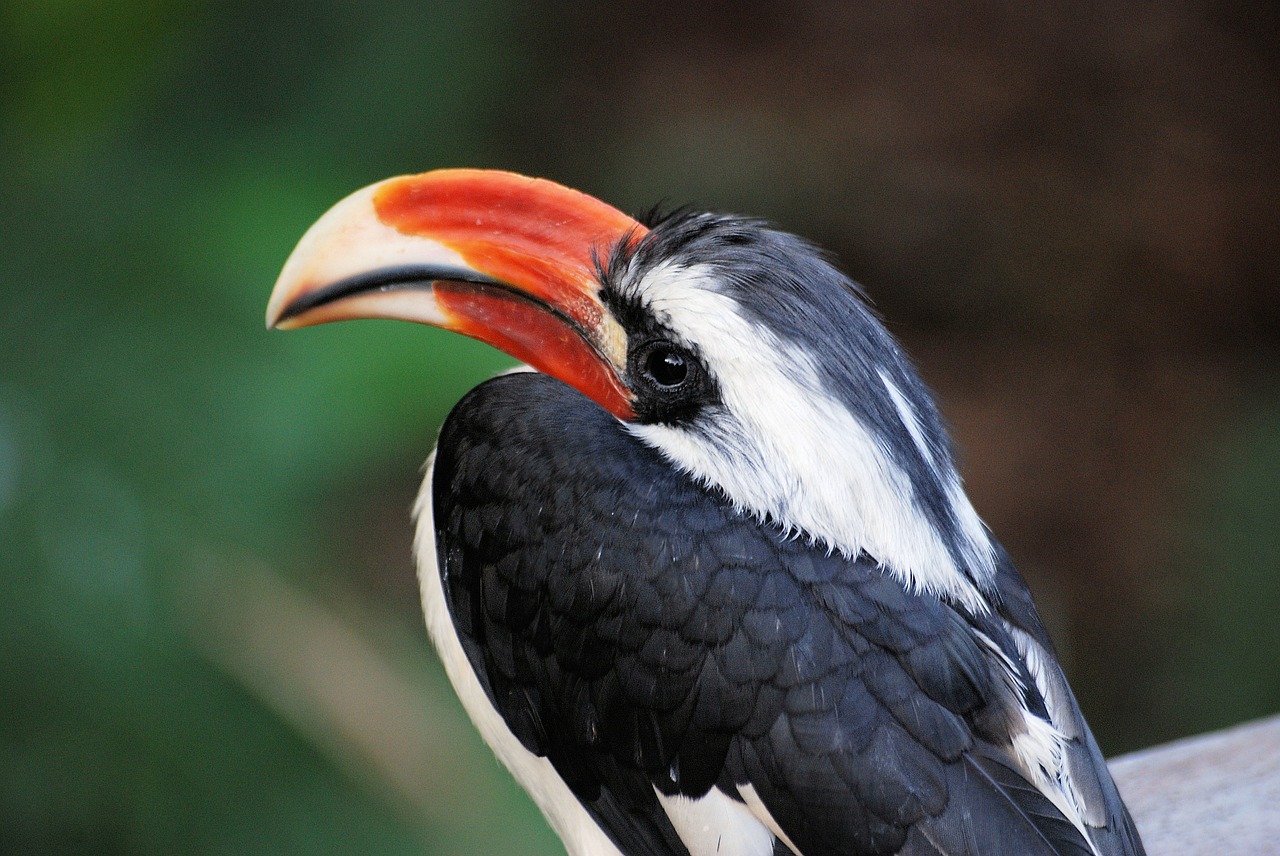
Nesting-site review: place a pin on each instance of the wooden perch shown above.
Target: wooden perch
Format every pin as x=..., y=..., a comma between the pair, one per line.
x=1211, y=795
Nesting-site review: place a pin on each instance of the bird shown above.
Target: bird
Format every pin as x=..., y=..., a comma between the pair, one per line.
x=703, y=571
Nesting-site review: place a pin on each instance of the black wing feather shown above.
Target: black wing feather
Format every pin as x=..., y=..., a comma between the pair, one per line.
x=1111, y=827
x=635, y=630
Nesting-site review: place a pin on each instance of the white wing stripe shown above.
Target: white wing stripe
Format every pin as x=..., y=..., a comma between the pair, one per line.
x=717, y=825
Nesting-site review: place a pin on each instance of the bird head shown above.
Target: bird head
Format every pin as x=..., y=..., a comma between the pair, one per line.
x=736, y=350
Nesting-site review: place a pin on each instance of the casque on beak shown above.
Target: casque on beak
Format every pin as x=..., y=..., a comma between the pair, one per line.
x=509, y=260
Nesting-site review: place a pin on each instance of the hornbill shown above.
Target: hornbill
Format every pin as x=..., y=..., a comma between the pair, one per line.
x=707, y=580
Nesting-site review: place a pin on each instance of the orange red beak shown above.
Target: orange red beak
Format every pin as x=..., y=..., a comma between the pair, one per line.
x=509, y=260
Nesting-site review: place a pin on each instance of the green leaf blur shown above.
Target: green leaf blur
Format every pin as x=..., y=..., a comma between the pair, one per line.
x=159, y=161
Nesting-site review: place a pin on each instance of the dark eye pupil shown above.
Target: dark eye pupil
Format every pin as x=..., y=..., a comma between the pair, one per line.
x=667, y=367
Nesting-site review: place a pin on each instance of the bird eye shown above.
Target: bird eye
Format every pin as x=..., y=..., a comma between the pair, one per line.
x=671, y=385
x=666, y=367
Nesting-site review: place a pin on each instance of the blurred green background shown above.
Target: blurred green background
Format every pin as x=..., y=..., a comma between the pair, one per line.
x=209, y=632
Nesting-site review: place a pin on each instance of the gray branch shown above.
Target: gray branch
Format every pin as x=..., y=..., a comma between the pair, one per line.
x=1211, y=795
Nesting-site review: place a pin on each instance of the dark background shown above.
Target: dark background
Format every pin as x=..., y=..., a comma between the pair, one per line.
x=209, y=634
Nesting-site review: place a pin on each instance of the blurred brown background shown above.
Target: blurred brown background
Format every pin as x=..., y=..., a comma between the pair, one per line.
x=209, y=636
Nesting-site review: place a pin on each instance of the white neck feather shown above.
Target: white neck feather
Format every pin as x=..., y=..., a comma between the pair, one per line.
x=796, y=455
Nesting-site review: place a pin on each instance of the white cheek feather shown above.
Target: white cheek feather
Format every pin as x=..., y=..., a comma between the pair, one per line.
x=787, y=450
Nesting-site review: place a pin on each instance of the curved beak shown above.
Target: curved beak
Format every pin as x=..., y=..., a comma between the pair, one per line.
x=509, y=260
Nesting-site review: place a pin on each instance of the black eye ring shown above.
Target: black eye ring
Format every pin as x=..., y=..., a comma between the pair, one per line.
x=671, y=384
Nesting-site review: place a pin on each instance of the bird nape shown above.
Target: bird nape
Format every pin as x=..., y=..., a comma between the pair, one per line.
x=707, y=580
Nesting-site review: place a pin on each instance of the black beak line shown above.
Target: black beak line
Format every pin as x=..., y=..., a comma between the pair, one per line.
x=402, y=278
